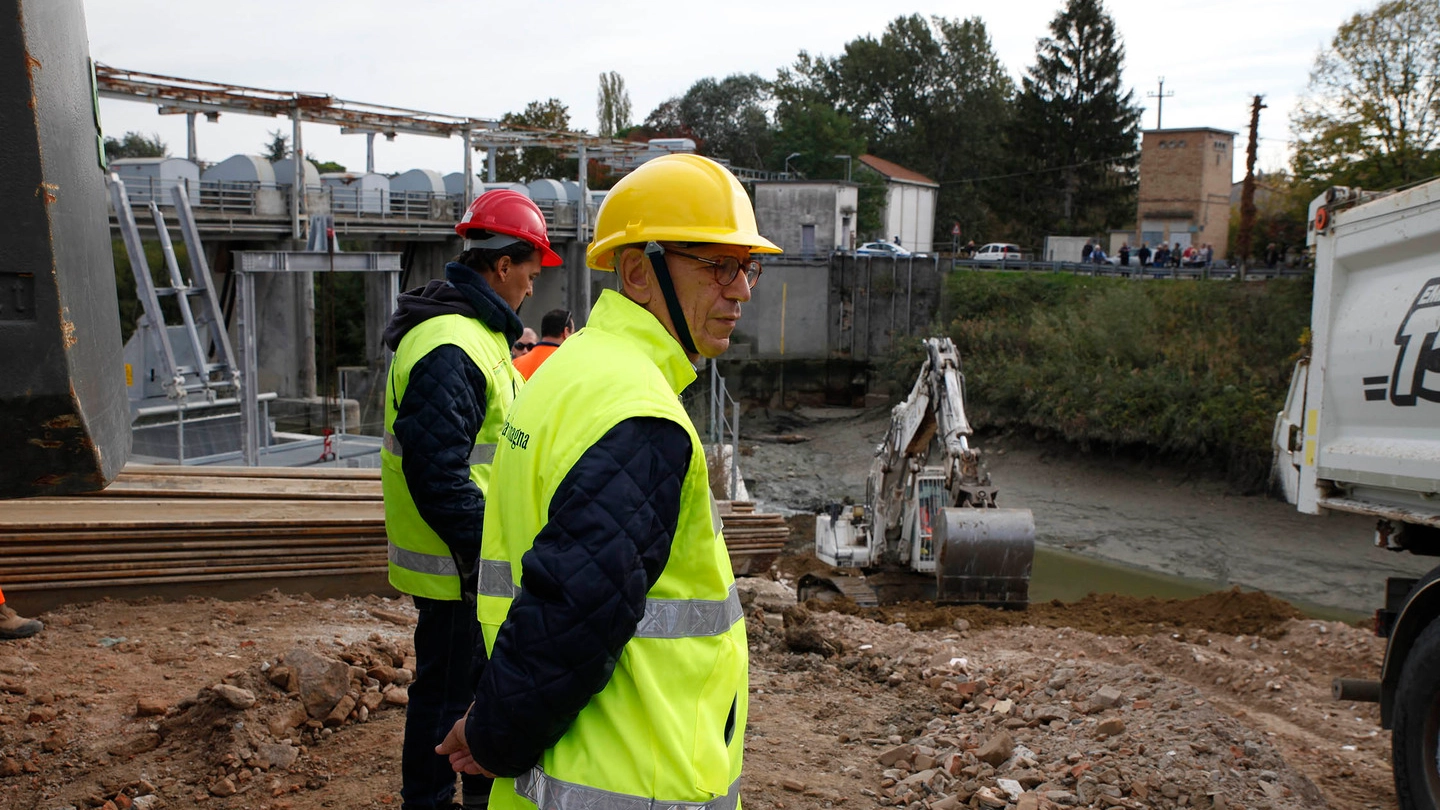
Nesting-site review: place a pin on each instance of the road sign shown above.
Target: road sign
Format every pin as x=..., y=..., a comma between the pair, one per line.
x=955, y=229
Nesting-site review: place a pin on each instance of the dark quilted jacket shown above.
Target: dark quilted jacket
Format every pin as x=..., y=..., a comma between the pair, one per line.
x=443, y=407
x=606, y=540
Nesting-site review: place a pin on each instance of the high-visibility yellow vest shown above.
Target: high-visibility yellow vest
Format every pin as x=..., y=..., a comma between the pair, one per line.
x=670, y=724
x=420, y=562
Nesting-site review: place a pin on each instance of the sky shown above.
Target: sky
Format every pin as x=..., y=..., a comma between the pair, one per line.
x=484, y=59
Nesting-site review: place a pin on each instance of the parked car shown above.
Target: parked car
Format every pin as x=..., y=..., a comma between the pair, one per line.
x=883, y=249
x=996, y=251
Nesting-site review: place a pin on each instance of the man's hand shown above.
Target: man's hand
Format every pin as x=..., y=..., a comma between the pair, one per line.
x=455, y=747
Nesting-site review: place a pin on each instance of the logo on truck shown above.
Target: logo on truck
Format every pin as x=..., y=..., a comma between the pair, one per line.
x=1417, y=365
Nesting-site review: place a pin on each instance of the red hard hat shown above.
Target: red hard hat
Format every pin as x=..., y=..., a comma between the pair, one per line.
x=511, y=213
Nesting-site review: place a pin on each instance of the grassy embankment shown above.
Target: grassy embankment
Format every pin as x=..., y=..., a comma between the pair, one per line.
x=1191, y=371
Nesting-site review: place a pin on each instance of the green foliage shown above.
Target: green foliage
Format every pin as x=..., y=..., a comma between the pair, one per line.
x=326, y=166
x=1371, y=114
x=1281, y=207
x=612, y=104
x=727, y=119
x=1076, y=134
x=135, y=145
x=818, y=132
x=126, y=293
x=1193, y=371
x=929, y=95
x=278, y=147
x=869, y=221
x=518, y=165
x=339, y=325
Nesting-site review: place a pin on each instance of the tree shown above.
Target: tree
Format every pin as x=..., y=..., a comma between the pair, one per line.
x=727, y=118
x=612, y=105
x=1371, y=114
x=279, y=146
x=135, y=145
x=928, y=95
x=818, y=132
x=523, y=164
x=1281, y=208
x=1075, y=136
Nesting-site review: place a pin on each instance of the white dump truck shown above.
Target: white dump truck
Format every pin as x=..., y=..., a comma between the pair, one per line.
x=1360, y=433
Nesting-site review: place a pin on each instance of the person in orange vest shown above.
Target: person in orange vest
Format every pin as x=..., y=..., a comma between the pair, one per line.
x=554, y=328
x=524, y=344
x=13, y=625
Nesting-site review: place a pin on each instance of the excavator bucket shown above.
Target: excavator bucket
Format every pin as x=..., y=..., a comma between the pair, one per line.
x=984, y=556
x=64, y=416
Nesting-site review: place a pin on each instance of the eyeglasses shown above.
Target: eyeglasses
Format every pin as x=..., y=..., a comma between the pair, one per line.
x=518, y=346
x=726, y=268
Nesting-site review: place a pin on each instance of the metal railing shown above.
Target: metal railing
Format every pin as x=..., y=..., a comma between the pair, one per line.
x=1216, y=271
x=228, y=198
x=721, y=428
x=233, y=198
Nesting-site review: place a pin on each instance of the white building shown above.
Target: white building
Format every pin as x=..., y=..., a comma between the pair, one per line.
x=909, y=204
x=807, y=218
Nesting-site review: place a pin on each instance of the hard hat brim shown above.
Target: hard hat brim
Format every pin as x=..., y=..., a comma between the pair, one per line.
x=601, y=255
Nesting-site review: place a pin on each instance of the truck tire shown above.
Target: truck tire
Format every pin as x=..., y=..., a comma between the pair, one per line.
x=1415, y=740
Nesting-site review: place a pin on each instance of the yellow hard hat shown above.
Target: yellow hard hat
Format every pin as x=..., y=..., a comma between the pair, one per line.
x=675, y=198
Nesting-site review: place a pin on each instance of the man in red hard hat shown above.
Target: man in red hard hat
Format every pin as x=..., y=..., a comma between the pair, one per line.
x=449, y=391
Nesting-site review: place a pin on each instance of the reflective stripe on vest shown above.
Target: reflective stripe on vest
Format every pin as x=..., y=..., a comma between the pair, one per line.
x=549, y=793
x=495, y=579
x=423, y=563
x=479, y=454
x=664, y=618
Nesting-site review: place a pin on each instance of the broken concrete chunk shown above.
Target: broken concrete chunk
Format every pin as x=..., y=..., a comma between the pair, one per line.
x=997, y=749
x=896, y=754
x=322, y=681
x=1106, y=697
x=234, y=696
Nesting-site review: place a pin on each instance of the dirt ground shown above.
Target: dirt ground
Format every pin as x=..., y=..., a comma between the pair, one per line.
x=286, y=702
x=1221, y=702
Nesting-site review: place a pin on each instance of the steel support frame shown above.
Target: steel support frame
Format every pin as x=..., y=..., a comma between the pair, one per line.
x=245, y=267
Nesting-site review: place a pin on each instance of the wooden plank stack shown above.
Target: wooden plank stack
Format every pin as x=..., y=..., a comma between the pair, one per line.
x=193, y=525
x=753, y=539
x=176, y=525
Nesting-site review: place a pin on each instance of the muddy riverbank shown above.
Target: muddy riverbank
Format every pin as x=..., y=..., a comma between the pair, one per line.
x=1146, y=515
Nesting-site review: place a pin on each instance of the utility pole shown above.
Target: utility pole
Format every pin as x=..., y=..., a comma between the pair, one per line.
x=1247, y=191
x=1160, y=103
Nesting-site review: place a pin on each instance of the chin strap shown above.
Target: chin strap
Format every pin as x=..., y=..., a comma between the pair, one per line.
x=656, y=254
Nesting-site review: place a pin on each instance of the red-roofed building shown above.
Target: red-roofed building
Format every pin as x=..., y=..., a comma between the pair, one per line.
x=909, y=204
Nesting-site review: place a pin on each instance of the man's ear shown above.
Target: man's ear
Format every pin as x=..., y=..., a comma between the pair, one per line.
x=502, y=267
x=636, y=278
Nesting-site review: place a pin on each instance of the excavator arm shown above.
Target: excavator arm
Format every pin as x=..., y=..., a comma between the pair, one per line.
x=930, y=507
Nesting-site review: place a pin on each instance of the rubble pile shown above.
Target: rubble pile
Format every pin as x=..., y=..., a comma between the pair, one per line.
x=1032, y=725
x=255, y=727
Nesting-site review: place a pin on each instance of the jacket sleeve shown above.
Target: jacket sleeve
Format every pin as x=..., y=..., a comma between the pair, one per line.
x=610, y=526
x=436, y=422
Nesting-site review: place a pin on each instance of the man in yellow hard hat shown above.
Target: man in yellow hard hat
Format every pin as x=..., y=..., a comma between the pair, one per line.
x=618, y=661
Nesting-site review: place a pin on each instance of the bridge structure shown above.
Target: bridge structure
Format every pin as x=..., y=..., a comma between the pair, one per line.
x=233, y=209
x=277, y=208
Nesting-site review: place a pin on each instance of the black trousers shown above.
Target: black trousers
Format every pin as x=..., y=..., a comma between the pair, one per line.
x=449, y=657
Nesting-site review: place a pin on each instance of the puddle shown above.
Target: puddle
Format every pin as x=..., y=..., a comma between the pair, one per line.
x=1067, y=576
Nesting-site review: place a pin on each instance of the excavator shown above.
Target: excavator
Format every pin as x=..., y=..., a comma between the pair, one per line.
x=930, y=527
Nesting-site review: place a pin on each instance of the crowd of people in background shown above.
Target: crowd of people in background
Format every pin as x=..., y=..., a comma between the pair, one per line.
x=1162, y=256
